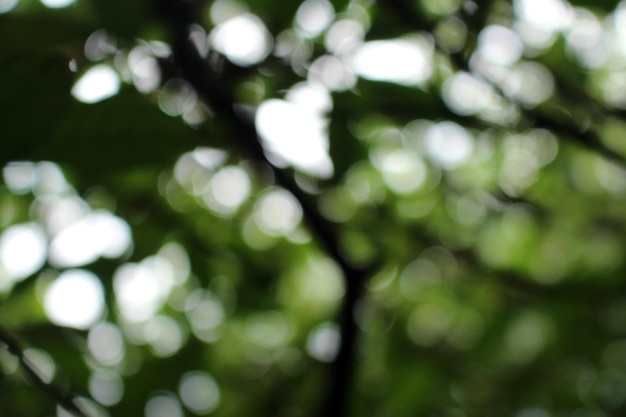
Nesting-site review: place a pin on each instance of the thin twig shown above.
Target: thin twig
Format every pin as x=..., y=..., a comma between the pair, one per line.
x=64, y=399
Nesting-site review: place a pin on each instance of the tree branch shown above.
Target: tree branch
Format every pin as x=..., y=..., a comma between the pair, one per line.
x=61, y=397
x=213, y=91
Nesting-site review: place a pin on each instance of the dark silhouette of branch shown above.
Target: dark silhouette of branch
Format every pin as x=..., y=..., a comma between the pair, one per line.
x=64, y=399
x=195, y=70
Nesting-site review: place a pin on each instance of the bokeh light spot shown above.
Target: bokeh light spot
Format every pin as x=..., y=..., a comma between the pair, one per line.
x=344, y=36
x=278, y=212
x=269, y=329
x=243, y=39
x=323, y=342
x=449, y=144
x=57, y=4
x=75, y=299
x=22, y=252
x=97, y=84
x=465, y=94
x=205, y=313
x=106, y=343
x=95, y=235
x=313, y=16
x=141, y=289
x=177, y=97
x=106, y=386
x=530, y=83
x=163, y=405
x=551, y=15
x=296, y=134
x=99, y=45
x=41, y=362
x=500, y=45
x=7, y=5
x=145, y=69
x=228, y=189
x=403, y=171
x=19, y=177
x=164, y=335
x=331, y=72
x=199, y=392
x=404, y=61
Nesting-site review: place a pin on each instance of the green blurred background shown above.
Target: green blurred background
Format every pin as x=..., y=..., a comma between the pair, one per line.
x=449, y=173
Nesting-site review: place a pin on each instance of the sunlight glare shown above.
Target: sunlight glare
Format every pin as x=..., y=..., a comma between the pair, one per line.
x=98, y=83
x=550, y=15
x=99, y=234
x=23, y=250
x=297, y=134
x=75, y=299
x=244, y=40
x=403, y=61
x=141, y=289
x=311, y=95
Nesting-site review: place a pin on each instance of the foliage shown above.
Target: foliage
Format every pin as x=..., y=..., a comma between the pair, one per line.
x=286, y=209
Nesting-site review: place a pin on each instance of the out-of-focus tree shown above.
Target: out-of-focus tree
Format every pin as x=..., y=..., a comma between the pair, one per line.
x=328, y=207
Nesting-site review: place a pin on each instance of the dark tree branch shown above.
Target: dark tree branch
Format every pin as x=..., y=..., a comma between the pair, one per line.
x=64, y=399
x=214, y=92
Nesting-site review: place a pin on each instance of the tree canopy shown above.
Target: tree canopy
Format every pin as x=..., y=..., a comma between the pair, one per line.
x=330, y=207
